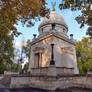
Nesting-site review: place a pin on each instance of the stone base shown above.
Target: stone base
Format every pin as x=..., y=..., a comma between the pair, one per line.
x=52, y=82
x=52, y=71
x=51, y=78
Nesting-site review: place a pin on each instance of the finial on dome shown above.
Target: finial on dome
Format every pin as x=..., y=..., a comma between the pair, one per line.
x=53, y=5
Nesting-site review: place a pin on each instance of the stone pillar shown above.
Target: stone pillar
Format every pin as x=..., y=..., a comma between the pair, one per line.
x=52, y=62
x=40, y=60
x=52, y=67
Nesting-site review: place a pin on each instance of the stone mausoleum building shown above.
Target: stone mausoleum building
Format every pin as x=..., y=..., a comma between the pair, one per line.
x=53, y=62
x=53, y=35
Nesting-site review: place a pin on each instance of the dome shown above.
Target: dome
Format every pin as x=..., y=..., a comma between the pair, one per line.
x=54, y=18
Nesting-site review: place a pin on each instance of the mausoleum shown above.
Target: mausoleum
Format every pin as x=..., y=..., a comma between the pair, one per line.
x=53, y=47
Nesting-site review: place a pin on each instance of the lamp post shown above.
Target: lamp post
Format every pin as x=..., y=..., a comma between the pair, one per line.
x=52, y=62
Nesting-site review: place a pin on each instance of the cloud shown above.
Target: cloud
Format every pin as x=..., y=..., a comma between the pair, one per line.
x=17, y=44
x=69, y=14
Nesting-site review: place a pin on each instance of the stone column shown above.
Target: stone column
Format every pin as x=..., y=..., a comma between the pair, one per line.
x=52, y=62
x=52, y=68
x=40, y=59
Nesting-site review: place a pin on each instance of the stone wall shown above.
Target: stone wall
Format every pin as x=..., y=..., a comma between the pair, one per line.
x=61, y=82
x=20, y=82
x=52, y=82
x=5, y=81
x=1, y=76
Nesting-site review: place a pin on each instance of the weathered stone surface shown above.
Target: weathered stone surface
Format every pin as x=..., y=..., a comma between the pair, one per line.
x=20, y=82
x=63, y=55
x=52, y=82
x=51, y=71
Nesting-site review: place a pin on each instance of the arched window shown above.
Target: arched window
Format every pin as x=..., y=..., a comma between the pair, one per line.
x=64, y=30
x=53, y=26
x=42, y=30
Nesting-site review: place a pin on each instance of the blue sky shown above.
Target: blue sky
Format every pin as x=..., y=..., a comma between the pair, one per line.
x=69, y=17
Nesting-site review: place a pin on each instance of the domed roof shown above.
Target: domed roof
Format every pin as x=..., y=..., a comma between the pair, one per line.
x=54, y=18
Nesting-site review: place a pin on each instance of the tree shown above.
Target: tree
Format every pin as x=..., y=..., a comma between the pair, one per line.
x=12, y=11
x=27, y=51
x=84, y=55
x=18, y=59
x=26, y=66
x=6, y=51
x=86, y=9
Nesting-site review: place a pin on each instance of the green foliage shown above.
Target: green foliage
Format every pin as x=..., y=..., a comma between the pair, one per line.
x=84, y=55
x=14, y=67
x=27, y=51
x=26, y=66
x=86, y=9
x=2, y=68
x=11, y=67
x=12, y=11
x=6, y=51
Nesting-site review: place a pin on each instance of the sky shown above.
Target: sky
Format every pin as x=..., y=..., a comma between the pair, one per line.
x=69, y=17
